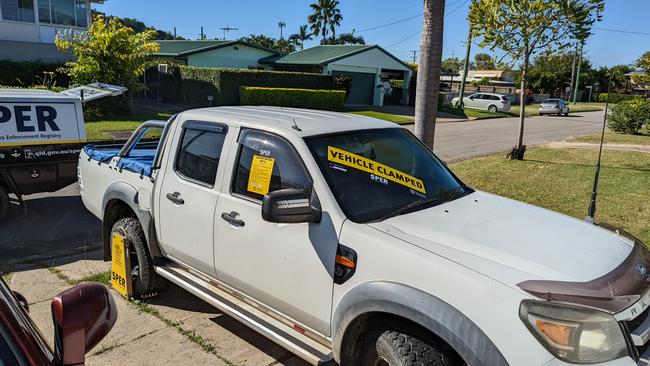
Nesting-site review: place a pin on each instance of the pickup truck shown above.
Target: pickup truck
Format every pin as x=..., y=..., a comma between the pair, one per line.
x=345, y=239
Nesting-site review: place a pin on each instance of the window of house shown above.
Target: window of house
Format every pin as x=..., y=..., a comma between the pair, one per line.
x=267, y=163
x=199, y=152
x=63, y=12
x=18, y=10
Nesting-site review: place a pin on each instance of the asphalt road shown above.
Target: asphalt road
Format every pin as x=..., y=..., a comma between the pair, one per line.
x=462, y=140
x=57, y=223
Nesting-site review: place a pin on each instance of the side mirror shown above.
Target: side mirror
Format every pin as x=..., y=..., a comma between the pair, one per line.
x=83, y=316
x=22, y=301
x=291, y=206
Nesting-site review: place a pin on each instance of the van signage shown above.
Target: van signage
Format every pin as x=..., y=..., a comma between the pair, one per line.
x=38, y=123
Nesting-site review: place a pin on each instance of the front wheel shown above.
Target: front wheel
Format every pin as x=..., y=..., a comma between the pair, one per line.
x=142, y=271
x=4, y=203
x=404, y=348
x=492, y=109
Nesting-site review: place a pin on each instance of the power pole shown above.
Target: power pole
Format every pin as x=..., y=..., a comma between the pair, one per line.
x=414, y=53
x=461, y=92
x=573, y=74
x=575, y=92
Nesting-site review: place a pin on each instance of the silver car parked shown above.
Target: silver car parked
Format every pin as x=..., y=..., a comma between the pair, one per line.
x=554, y=106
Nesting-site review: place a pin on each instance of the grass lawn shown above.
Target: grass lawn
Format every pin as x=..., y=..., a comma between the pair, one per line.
x=562, y=179
x=532, y=109
x=106, y=130
x=473, y=113
x=385, y=116
x=643, y=138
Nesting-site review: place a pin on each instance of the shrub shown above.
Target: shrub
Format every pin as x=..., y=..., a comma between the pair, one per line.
x=28, y=73
x=291, y=97
x=629, y=116
x=616, y=98
x=224, y=84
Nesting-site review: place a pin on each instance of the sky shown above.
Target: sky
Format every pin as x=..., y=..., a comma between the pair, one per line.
x=605, y=47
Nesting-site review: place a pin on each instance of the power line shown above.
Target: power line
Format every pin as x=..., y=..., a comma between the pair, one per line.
x=418, y=32
x=401, y=20
x=623, y=31
x=391, y=23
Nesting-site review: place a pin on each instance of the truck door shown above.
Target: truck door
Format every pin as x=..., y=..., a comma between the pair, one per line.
x=189, y=192
x=288, y=267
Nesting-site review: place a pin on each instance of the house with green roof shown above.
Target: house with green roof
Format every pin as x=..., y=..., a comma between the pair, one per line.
x=214, y=53
x=368, y=66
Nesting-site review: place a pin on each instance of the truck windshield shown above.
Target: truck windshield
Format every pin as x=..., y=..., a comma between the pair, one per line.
x=379, y=173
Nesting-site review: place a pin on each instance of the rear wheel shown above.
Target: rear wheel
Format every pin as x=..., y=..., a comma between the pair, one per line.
x=408, y=347
x=142, y=271
x=4, y=203
x=492, y=109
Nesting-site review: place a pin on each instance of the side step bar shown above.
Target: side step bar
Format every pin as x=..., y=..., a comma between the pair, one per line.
x=300, y=345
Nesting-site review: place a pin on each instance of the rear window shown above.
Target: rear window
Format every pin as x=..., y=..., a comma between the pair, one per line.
x=199, y=152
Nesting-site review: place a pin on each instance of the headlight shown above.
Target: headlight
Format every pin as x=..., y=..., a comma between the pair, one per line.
x=574, y=334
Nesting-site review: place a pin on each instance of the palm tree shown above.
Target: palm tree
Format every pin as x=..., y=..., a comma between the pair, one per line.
x=428, y=79
x=348, y=38
x=302, y=36
x=281, y=25
x=325, y=18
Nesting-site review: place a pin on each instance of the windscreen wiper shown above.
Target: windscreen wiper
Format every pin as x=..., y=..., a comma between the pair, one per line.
x=408, y=207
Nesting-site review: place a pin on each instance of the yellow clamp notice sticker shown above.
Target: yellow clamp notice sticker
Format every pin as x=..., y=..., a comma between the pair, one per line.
x=121, y=266
x=343, y=157
x=259, y=178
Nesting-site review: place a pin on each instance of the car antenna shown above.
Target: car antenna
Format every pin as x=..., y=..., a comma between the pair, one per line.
x=591, y=211
x=295, y=125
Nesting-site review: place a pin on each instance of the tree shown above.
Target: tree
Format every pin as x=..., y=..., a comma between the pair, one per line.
x=325, y=17
x=110, y=53
x=484, y=61
x=524, y=27
x=347, y=38
x=137, y=25
x=261, y=40
x=302, y=36
x=451, y=65
x=644, y=63
x=550, y=72
x=281, y=25
x=426, y=96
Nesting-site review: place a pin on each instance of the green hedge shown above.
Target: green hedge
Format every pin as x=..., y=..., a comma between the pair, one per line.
x=27, y=73
x=293, y=97
x=616, y=98
x=197, y=83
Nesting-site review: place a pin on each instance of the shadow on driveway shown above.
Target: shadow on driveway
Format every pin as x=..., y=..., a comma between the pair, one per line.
x=56, y=224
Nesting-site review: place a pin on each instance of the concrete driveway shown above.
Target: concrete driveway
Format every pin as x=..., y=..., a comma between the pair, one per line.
x=461, y=140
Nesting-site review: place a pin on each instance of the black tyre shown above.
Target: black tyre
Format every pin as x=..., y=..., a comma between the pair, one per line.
x=143, y=276
x=4, y=203
x=406, y=348
x=492, y=109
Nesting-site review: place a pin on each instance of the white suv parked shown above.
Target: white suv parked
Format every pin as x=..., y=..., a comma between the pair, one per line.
x=344, y=239
x=488, y=101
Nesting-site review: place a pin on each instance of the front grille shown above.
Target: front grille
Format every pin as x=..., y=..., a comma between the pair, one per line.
x=636, y=322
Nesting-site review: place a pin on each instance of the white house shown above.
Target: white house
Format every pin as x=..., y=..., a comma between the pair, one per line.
x=28, y=27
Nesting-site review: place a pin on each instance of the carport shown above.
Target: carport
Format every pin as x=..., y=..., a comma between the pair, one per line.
x=368, y=67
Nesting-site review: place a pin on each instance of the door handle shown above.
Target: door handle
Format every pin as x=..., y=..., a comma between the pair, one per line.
x=232, y=219
x=175, y=197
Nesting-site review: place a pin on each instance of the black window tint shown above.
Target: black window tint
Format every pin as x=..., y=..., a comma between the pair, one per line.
x=199, y=152
x=494, y=97
x=288, y=170
x=7, y=355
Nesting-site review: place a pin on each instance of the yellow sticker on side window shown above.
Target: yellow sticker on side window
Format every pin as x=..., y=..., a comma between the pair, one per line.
x=343, y=157
x=259, y=178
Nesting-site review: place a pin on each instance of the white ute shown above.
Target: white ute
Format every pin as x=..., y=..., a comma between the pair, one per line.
x=344, y=239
